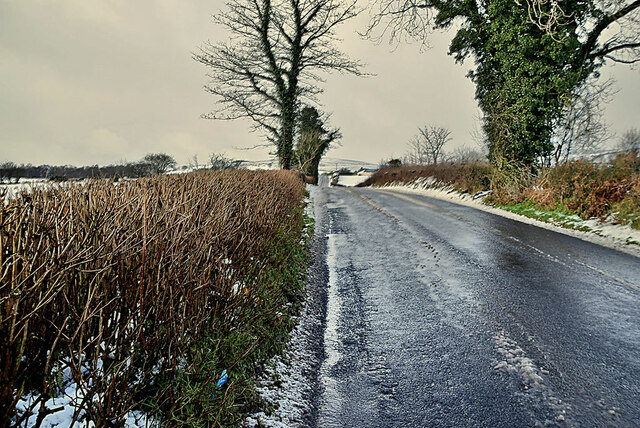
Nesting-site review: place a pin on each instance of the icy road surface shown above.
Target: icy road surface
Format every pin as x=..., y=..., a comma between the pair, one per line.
x=442, y=315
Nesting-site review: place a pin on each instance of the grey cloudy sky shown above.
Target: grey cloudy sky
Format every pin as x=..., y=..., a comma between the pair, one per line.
x=101, y=81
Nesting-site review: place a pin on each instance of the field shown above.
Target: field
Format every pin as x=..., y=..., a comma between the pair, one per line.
x=156, y=299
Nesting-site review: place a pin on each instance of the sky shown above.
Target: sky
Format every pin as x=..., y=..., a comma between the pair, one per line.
x=105, y=81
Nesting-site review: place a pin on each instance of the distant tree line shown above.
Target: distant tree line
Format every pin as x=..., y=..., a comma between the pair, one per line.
x=153, y=163
x=12, y=173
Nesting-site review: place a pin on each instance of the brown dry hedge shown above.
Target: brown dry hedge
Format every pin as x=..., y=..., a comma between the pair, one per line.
x=466, y=177
x=116, y=285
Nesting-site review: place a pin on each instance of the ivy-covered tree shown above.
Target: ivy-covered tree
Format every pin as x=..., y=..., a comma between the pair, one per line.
x=530, y=56
x=313, y=141
x=521, y=79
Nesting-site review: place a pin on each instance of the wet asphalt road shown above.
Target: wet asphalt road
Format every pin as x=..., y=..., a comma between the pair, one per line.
x=442, y=315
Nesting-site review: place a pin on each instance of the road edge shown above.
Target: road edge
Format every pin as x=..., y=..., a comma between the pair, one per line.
x=289, y=386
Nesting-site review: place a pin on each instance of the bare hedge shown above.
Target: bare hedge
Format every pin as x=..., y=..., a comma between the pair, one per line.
x=116, y=285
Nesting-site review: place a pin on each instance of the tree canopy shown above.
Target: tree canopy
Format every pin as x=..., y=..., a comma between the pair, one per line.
x=159, y=163
x=531, y=56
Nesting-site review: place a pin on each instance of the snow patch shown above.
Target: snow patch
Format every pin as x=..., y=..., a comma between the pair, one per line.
x=351, y=180
x=284, y=387
x=67, y=410
x=515, y=360
x=333, y=308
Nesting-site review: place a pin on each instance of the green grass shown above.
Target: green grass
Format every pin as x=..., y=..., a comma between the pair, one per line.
x=627, y=211
x=243, y=350
x=561, y=216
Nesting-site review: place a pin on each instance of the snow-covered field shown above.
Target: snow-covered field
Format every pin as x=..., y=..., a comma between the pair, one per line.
x=327, y=164
x=24, y=184
x=351, y=180
x=620, y=237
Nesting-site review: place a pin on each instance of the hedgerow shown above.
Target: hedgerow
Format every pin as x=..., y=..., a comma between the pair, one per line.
x=585, y=189
x=465, y=177
x=140, y=293
x=609, y=191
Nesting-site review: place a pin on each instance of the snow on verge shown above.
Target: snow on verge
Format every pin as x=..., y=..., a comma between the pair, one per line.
x=66, y=406
x=287, y=386
x=618, y=237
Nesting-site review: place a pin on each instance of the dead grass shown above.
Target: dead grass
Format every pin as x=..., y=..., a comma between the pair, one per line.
x=586, y=189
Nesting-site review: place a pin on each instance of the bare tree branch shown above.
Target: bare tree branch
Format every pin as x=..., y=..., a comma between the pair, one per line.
x=581, y=129
x=426, y=147
x=270, y=65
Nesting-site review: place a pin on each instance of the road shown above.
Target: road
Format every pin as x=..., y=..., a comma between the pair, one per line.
x=442, y=315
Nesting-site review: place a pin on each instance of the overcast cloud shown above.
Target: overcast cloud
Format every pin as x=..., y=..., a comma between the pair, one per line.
x=97, y=82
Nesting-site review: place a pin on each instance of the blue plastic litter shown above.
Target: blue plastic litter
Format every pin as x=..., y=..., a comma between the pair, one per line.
x=223, y=379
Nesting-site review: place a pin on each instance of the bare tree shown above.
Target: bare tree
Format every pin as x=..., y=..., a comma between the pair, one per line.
x=610, y=28
x=417, y=154
x=271, y=63
x=547, y=15
x=466, y=154
x=581, y=128
x=399, y=19
x=193, y=162
x=219, y=162
x=426, y=147
x=607, y=29
x=434, y=138
x=630, y=141
x=159, y=163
